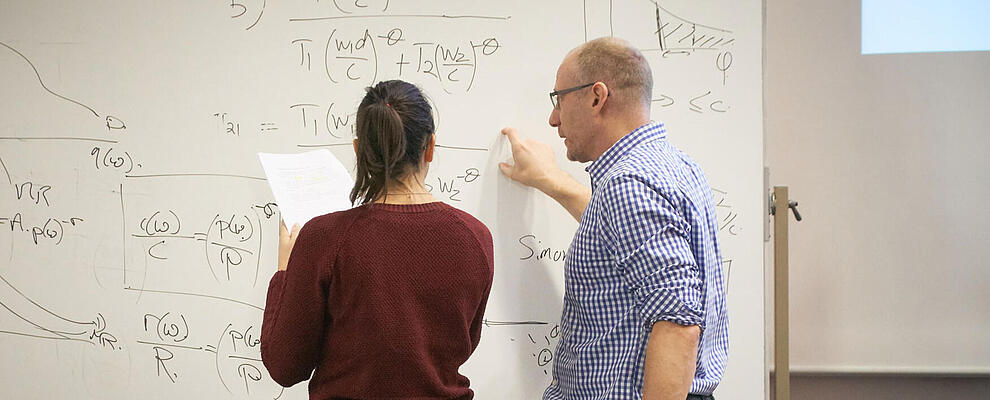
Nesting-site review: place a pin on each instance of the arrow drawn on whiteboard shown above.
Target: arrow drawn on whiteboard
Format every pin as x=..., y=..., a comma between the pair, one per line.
x=42, y=81
x=490, y=323
x=112, y=123
x=57, y=328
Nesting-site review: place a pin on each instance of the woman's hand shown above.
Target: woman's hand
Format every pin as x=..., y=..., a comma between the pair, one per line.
x=286, y=240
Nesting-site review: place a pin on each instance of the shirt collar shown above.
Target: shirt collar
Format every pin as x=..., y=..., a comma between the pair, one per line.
x=648, y=132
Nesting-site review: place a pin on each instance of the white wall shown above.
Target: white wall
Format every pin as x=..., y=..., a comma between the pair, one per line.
x=887, y=156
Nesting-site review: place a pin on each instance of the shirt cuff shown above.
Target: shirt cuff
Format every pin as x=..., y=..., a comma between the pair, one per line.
x=665, y=305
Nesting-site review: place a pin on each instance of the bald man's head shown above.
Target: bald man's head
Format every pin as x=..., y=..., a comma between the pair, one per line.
x=619, y=65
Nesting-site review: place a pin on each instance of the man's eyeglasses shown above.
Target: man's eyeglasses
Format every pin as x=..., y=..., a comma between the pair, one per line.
x=554, y=94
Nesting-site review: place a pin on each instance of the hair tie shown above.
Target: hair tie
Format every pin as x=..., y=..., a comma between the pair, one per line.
x=387, y=105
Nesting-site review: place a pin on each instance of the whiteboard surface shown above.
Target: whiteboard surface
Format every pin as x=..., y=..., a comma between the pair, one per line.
x=138, y=236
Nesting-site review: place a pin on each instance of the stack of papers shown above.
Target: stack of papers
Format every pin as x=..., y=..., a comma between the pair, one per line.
x=307, y=185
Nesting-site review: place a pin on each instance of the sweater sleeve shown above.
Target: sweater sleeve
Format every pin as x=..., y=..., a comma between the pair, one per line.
x=484, y=237
x=295, y=319
x=479, y=317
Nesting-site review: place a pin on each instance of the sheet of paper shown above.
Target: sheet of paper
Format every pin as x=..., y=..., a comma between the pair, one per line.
x=307, y=185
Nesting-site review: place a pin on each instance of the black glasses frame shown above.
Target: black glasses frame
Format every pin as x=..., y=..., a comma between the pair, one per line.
x=555, y=101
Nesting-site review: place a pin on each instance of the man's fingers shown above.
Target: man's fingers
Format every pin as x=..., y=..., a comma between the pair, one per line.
x=512, y=134
x=506, y=169
x=295, y=231
x=282, y=230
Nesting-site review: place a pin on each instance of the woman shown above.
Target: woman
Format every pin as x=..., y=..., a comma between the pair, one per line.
x=384, y=300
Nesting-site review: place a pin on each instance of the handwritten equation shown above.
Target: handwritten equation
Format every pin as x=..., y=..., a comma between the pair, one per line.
x=175, y=350
x=45, y=230
x=365, y=56
x=212, y=249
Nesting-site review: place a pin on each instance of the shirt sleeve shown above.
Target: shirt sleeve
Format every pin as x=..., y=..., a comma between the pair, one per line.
x=294, y=325
x=650, y=238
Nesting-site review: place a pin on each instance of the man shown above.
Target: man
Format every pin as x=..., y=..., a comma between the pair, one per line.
x=644, y=303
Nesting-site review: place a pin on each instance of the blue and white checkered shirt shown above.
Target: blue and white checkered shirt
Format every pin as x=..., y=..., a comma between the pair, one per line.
x=645, y=251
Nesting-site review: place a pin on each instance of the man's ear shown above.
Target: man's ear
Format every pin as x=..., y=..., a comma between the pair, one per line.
x=428, y=153
x=600, y=93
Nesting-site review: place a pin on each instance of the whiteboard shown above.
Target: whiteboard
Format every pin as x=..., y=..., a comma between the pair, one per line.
x=137, y=235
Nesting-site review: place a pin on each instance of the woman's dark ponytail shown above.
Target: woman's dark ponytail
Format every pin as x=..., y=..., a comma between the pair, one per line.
x=394, y=122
